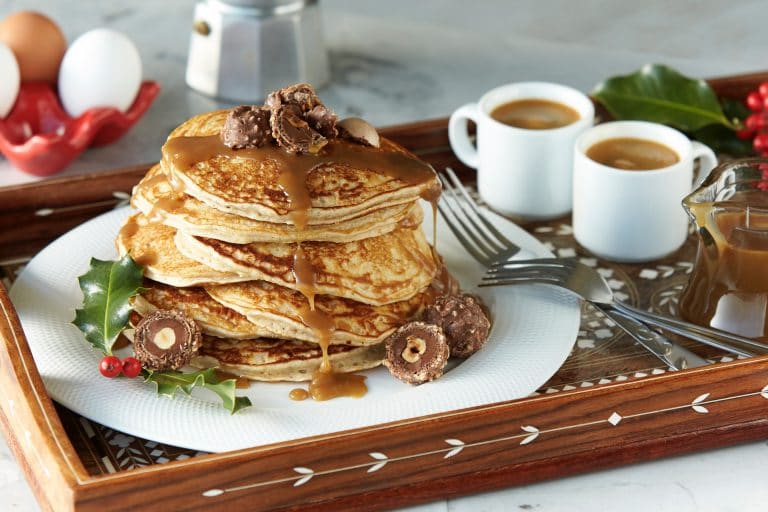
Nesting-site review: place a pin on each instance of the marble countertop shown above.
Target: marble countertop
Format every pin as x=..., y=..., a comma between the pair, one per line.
x=400, y=61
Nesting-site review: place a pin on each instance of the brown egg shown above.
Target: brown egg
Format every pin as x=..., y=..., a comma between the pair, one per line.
x=37, y=43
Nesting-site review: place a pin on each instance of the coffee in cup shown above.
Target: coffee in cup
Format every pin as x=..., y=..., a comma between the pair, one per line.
x=629, y=180
x=524, y=149
x=632, y=154
x=535, y=114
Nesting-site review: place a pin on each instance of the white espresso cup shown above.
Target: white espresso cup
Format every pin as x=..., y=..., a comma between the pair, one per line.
x=521, y=172
x=635, y=215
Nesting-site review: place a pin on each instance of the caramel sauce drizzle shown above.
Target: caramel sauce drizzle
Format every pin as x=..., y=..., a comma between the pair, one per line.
x=240, y=382
x=185, y=152
x=146, y=257
x=298, y=394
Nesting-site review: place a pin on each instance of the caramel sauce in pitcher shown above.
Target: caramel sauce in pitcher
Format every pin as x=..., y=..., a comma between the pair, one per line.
x=728, y=288
x=184, y=152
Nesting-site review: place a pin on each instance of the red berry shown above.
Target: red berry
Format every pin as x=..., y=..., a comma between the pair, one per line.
x=745, y=134
x=763, y=89
x=755, y=101
x=761, y=142
x=131, y=367
x=110, y=366
x=755, y=122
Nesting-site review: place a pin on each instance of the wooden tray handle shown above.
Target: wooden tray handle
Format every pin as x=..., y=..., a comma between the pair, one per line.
x=29, y=420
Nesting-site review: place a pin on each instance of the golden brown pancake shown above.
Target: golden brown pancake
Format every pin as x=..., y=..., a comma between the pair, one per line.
x=279, y=311
x=214, y=318
x=282, y=360
x=197, y=218
x=246, y=182
x=151, y=244
x=380, y=270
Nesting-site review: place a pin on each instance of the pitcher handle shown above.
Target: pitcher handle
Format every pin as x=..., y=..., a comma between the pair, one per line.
x=708, y=161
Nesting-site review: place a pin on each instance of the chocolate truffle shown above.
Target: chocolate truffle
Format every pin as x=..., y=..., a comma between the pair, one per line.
x=322, y=120
x=166, y=339
x=416, y=353
x=293, y=133
x=463, y=321
x=246, y=127
x=300, y=95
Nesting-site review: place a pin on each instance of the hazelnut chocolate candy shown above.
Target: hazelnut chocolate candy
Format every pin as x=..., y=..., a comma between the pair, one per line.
x=463, y=321
x=293, y=133
x=300, y=95
x=416, y=353
x=246, y=127
x=323, y=120
x=166, y=339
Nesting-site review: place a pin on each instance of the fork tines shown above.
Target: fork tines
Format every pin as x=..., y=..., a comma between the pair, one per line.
x=473, y=230
x=541, y=270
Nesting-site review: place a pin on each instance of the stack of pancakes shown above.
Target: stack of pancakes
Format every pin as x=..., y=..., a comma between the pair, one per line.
x=221, y=239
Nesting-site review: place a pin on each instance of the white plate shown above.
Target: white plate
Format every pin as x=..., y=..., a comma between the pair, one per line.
x=533, y=332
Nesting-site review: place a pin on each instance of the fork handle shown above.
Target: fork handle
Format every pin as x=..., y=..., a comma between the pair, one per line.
x=709, y=336
x=672, y=354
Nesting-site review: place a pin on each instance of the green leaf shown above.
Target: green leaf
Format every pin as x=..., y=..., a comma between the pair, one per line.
x=660, y=94
x=169, y=381
x=107, y=289
x=735, y=110
x=723, y=141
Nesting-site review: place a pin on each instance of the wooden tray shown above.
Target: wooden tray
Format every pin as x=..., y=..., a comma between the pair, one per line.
x=610, y=403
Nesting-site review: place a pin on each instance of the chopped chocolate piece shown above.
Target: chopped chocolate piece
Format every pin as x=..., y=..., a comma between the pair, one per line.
x=463, y=321
x=416, y=353
x=300, y=95
x=246, y=127
x=323, y=120
x=166, y=339
x=360, y=131
x=293, y=133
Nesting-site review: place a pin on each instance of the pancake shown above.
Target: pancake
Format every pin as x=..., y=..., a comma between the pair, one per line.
x=214, y=318
x=380, y=270
x=282, y=360
x=151, y=244
x=197, y=218
x=279, y=310
x=345, y=180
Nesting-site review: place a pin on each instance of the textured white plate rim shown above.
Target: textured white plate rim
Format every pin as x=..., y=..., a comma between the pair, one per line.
x=529, y=342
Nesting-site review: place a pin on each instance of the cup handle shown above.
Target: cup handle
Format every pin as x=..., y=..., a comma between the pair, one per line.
x=459, y=136
x=707, y=163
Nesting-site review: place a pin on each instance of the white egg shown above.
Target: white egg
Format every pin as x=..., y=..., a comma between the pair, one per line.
x=102, y=68
x=9, y=84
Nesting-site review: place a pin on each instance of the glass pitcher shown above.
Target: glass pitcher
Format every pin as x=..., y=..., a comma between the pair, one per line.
x=728, y=288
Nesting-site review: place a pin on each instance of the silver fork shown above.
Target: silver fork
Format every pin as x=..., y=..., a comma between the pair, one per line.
x=588, y=284
x=491, y=248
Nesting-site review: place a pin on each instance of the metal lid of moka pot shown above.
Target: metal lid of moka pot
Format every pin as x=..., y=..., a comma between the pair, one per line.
x=240, y=50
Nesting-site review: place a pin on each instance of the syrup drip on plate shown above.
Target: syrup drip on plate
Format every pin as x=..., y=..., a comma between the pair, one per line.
x=326, y=383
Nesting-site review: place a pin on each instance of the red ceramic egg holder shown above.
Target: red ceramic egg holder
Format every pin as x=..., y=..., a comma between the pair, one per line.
x=40, y=138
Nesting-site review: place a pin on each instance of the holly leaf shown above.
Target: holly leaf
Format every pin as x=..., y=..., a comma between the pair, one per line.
x=722, y=140
x=660, y=94
x=169, y=381
x=107, y=289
